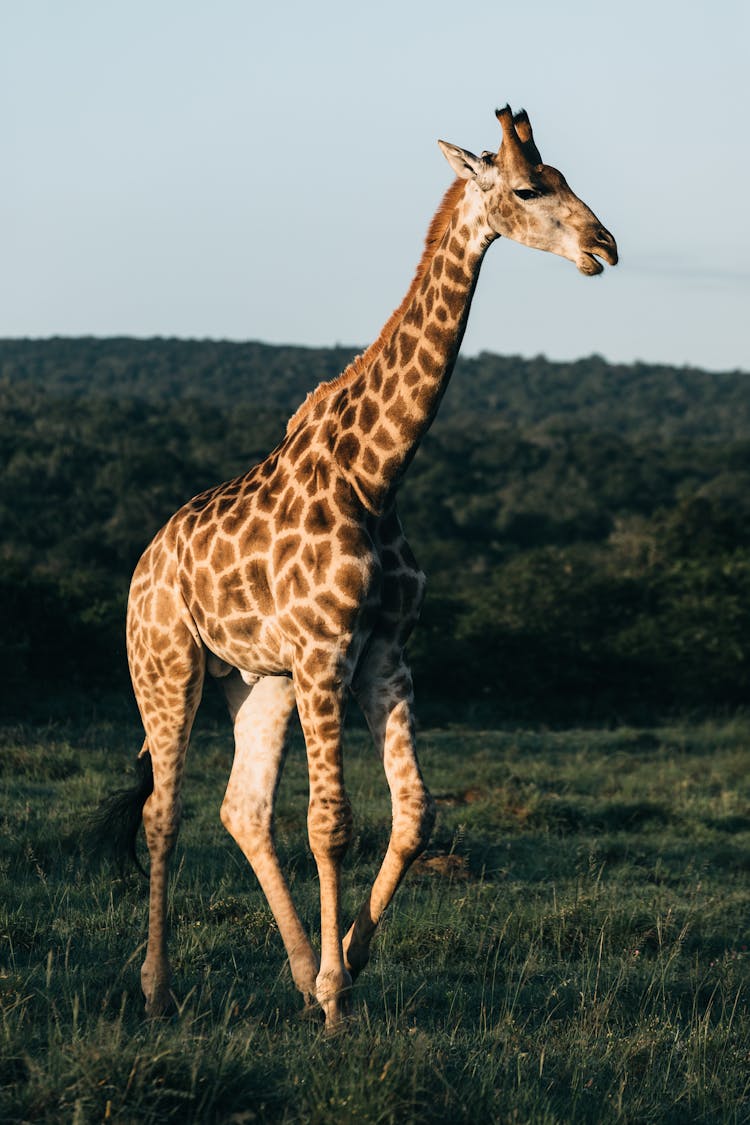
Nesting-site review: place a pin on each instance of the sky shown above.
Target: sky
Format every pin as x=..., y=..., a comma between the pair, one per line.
x=246, y=171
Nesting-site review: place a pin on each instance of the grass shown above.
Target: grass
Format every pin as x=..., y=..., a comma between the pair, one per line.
x=571, y=948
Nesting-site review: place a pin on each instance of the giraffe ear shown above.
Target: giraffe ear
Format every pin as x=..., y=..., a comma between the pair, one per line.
x=465, y=164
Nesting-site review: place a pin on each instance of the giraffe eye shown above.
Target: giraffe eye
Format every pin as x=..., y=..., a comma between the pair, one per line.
x=526, y=193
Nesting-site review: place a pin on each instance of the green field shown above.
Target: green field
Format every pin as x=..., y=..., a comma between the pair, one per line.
x=572, y=947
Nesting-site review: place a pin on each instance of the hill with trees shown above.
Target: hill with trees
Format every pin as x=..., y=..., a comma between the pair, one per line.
x=584, y=526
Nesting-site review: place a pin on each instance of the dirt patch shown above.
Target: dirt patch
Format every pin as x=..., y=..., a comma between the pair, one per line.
x=467, y=797
x=445, y=866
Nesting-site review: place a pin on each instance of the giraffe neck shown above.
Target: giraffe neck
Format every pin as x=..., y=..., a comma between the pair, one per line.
x=394, y=391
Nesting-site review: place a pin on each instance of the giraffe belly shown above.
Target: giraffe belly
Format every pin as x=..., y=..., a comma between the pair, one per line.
x=219, y=668
x=254, y=652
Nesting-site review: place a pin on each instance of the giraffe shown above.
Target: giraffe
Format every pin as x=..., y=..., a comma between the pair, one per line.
x=294, y=584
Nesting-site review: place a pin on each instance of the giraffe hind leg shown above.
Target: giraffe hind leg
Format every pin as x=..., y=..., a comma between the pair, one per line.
x=167, y=702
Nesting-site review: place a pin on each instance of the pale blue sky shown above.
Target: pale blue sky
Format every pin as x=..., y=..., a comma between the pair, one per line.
x=232, y=169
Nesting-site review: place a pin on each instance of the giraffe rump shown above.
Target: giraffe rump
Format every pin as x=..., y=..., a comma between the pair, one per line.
x=113, y=828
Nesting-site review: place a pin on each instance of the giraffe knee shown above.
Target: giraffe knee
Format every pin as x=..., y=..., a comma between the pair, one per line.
x=248, y=822
x=161, y=824
x=412, y=826
x=329, y=826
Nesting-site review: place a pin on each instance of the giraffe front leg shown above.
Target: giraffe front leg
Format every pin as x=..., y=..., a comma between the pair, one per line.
x=329, y=824
x=261, y=717
x=386, y=699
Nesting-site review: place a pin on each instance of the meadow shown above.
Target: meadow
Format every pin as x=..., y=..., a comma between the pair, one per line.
x=571, y=948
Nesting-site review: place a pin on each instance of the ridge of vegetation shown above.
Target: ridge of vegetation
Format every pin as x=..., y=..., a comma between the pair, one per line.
x=584, y=526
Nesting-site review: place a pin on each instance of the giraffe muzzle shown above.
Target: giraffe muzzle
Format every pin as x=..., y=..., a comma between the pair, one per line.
x=601, y=245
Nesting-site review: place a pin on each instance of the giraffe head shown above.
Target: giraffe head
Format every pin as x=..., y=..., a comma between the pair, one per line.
x=529, y=201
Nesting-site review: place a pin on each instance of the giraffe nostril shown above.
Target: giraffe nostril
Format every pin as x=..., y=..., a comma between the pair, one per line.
x=604, y=245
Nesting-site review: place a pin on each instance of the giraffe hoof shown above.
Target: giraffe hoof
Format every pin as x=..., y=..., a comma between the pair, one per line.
x=336, y=1005
x=161, y=1005
x=355, y=968
x=355, y=961
x=340, y=1020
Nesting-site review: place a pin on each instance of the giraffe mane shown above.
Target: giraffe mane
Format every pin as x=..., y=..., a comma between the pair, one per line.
x=436, y=230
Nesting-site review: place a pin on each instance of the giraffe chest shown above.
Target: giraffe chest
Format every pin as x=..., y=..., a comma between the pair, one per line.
x=286, y=559
x=261, y=587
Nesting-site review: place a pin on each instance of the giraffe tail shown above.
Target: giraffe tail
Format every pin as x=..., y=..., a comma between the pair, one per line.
x=114, y=826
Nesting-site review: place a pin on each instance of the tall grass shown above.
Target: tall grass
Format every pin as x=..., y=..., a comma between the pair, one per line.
x=572, y=947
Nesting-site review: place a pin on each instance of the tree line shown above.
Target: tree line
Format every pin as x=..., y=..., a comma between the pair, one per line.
x=584, y=526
